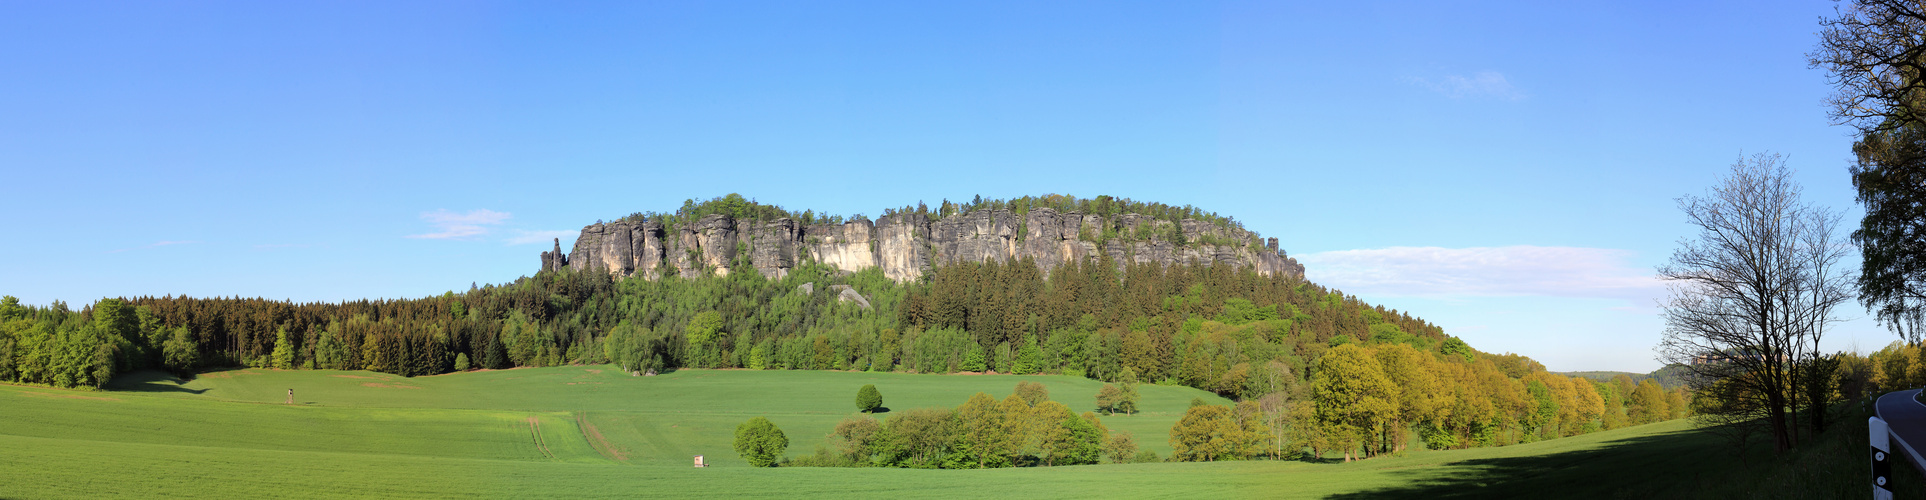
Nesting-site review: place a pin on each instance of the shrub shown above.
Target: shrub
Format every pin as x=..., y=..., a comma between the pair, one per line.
x=856, y=437
x=461, y=362
x=868, y=399
x=760, y=442
x=1121, y=448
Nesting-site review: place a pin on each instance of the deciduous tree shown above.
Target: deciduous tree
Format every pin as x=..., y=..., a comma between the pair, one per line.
x=760, y=442
x=1754, y=291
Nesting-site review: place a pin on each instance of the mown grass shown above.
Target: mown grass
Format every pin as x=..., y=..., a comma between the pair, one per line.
x=608, y=435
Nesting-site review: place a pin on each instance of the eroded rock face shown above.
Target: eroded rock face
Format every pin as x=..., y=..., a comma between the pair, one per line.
x=555, y=260
x=849, y=247
x=905, y=246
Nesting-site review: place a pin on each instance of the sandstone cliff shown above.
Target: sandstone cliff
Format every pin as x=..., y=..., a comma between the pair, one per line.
x=907, y=245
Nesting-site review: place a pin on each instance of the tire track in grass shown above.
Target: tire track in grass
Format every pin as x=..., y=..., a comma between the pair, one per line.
x=595, y=439
x=535, y=428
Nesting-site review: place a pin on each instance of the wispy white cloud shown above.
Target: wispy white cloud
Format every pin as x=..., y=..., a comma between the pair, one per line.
x=156, y=244
x=1480, y=85
x=450, y=225
x=524, y=237
x=1485, y=271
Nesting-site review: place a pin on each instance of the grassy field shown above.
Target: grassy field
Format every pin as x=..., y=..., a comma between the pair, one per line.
x=594, y=432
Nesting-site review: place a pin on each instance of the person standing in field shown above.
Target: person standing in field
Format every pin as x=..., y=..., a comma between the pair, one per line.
x=290, y=396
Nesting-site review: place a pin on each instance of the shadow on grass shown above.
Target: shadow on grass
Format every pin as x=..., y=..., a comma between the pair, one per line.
x=150, y=381
x=1632, y=467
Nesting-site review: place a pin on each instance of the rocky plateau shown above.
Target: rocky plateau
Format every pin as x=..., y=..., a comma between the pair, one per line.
x=908, y=245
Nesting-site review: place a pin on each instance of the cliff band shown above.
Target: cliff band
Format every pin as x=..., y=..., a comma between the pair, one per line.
x=907, y=245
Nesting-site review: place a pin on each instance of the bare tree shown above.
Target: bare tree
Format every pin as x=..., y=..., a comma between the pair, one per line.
x=1875, y=53
x=1753, y=293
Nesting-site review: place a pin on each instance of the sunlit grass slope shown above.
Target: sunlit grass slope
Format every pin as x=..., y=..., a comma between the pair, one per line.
x=660, y=419
x=594, y=432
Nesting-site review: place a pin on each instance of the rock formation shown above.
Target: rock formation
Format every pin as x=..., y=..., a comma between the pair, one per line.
x=907, y=245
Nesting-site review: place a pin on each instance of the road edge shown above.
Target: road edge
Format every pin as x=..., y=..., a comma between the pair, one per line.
x=1912, y=455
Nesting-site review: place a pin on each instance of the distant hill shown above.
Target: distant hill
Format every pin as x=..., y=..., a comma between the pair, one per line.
x=1671, y=376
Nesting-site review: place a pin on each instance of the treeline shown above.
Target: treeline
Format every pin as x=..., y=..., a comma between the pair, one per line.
x=1102, y=206
x=1364, y=400
x=740, y=208
x=63, y=348
x=734, y=206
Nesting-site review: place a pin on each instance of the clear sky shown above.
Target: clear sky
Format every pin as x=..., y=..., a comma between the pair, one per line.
x=1507, y=170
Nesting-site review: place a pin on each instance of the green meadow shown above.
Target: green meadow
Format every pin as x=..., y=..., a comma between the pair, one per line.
x=595, y=432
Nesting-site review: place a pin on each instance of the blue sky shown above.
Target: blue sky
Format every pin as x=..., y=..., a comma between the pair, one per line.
x=1504, y=169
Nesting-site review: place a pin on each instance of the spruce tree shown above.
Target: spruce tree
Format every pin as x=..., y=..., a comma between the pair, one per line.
x=283, y=350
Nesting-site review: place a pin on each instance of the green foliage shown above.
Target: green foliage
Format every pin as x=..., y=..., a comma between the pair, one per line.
x=868, y=399
x=1121, y=448
x=1456, y=347
x=760, y=443
x=181, y=354
x=1649, y=403
x=1107, y=399
x=283, y=350
x=1032, y=393
x=638, y=350
x=857, y=437
x=982, y=440
x=703, y=328
x=922, y=438
x=732, y=205
x=973, y=360
x=1544, y=407
x=1200, y=435
x=1030, y=359
x=461, y=362
x=1077, y=443
x=1353, y=397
